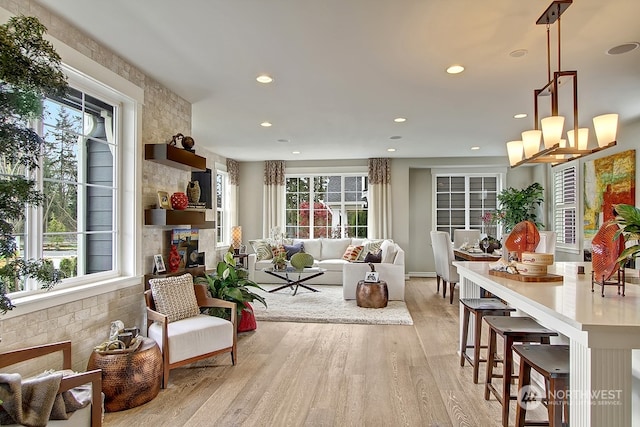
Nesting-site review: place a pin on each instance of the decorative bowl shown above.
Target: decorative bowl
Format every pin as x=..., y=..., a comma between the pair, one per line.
x=537, y=258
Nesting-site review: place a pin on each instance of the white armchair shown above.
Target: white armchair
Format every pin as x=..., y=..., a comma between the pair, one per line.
x=443, y=254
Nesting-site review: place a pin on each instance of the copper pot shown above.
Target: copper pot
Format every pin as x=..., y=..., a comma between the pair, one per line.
x=372, y=295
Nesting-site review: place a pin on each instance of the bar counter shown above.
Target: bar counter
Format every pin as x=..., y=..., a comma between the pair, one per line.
x=602, y=332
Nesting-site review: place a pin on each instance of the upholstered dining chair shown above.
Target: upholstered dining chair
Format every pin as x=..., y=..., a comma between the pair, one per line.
x=83, y=387
x=465, y=236
x=547, y=242
x=443, y=252
x=175, y=323
x=437, y=254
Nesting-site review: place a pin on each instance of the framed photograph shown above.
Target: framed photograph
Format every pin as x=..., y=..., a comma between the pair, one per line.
x=159, y=264
x=163, y=200
x=371, y=277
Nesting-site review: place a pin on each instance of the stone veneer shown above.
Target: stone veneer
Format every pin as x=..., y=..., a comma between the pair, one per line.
x=86, y=322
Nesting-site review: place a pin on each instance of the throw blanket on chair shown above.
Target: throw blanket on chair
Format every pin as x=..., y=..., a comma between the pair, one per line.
x=34, y=401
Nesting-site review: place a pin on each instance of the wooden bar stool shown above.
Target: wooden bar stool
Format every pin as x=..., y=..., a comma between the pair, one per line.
x=511, y=329
x=480, y=307
x=552, y=362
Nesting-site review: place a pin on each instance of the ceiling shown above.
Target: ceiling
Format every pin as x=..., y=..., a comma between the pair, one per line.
x=344, y=69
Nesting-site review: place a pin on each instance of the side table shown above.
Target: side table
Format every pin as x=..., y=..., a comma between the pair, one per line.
x=129, y=379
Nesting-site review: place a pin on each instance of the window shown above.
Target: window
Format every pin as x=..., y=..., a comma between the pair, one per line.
x=222, y=227
x=326, y=206
x=462, y=199
x=565, y=206
x=74, y=228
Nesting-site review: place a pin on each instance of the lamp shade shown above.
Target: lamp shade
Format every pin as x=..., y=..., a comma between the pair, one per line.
x=531, y=142
x=236, y=236
x=552, y=128
x=606, y=127
x=583, y=138
x=514, y=150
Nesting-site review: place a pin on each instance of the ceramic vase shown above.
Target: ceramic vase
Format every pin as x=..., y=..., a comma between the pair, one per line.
x=193, y=191
x=174, y=259
x=179, y=201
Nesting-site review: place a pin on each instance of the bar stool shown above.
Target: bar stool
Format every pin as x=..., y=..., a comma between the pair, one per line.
x=511, y=329
x=552, y=362
x=480, y=307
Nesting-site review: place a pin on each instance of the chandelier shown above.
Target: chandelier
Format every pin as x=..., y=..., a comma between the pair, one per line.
x=544, y=143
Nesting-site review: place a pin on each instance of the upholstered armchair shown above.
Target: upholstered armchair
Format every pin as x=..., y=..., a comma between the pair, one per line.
x=72, y=392
x=175, y=323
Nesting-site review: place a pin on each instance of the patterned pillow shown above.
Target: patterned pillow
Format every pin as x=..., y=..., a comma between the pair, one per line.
x=175, y=297
x=262, y=248
x=372, y=246
x=352, y=253
x=277, y=250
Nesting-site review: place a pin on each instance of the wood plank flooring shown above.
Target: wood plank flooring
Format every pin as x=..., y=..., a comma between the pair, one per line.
x=306, y=374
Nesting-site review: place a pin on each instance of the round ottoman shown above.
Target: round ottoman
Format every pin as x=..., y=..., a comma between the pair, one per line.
x=372, y=294
x=129, y=379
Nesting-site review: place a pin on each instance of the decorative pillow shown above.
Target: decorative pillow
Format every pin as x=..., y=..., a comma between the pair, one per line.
x=374, y=258
x=277, y=250
x=388, y=249
x=175, y=297
x=371, y=246
x=293, y=249
x=352, y=253
x=262, y=248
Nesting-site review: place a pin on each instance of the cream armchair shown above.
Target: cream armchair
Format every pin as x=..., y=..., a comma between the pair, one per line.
x=182, y=333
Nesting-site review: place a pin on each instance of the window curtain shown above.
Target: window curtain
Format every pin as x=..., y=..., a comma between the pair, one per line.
x=379, y=199
x=273, y=196
x=232, y=170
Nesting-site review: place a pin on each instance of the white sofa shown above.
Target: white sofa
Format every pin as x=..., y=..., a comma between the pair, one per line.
x=327, y=254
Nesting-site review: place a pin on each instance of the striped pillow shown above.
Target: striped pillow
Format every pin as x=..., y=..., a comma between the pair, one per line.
x=352, y=253
x=262, y=248
x=372, y=246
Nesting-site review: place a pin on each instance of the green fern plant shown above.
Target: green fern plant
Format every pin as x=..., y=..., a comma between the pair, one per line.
x=628, y=218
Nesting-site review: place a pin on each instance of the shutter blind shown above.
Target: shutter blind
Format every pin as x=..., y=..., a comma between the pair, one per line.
x=565, y=205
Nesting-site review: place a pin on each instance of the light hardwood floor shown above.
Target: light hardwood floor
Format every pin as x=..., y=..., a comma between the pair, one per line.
x=294, y=374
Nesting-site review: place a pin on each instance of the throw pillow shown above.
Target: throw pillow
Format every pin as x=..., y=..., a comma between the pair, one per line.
x=352, y=253
x=374, y=258
x=388, y=249
x=262, y=248
x=277, y=250
x=175, y=297
x=371, y=246
x=293, y=249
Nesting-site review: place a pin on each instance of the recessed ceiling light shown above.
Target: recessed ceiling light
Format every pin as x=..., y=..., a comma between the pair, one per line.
x=391, y=150
x=520, y=116
x=295, y=152
x=399, y=120
x=263, y=78
x=518, y=53
x=283, y=140
x=395, y=137
x=455, y=69
x=475, y=147
x=623, y=48
x=265, y=124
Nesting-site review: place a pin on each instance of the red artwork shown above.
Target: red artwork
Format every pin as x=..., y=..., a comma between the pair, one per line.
x=174, y=259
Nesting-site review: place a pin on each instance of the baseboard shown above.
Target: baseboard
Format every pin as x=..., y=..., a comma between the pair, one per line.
x=422, y=274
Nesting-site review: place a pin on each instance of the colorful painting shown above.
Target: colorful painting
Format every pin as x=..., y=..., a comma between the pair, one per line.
x=607, y=181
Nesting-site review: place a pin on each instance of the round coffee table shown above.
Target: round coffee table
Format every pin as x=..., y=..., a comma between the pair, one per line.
x=129, y=379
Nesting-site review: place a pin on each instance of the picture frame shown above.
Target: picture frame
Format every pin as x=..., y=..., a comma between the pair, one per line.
x=158, y=262
x=371, y=277
x=163, y=200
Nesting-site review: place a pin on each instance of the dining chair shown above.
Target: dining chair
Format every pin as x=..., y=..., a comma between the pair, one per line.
x=547, y=242
x=461, y=237
x=436, y=259
x=443, y=253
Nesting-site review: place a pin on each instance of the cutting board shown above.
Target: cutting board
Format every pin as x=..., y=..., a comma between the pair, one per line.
x=522, y=278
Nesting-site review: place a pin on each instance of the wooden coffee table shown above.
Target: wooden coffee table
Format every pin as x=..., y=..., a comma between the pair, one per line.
x=289, y=275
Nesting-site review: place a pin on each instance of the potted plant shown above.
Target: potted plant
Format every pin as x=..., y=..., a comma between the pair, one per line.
x=628, y=218
x=227, y=284
x=519, y=205
x=30, y=70
x=279, y=261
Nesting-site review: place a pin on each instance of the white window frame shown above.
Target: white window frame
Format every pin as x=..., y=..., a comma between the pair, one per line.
x=223, y=212
x=560, y=188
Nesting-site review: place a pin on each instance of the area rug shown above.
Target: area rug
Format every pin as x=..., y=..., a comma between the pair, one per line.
x=326, y=306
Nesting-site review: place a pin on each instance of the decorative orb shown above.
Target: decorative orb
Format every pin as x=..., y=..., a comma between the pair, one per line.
x=188, y=143
x=301, y=260
x=179, y=201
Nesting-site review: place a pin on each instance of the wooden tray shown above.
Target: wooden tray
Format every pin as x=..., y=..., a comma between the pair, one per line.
x=523, y=278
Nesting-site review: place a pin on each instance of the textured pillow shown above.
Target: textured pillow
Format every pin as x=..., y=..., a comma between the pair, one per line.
x=352, y=253
x=262, y=248
x=293, y=249
x=374, y=258
x=175, y=297
x=371, y=246
x=277, y=250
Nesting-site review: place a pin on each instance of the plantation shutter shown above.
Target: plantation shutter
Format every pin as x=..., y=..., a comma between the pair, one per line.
x=565, y=205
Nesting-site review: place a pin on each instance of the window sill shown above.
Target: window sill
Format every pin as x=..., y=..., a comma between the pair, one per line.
x=46, y=299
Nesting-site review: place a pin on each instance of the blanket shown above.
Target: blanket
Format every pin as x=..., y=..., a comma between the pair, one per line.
x=34, y=401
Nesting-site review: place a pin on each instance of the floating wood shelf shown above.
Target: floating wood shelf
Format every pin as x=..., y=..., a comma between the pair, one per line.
x=177, y=217
x=173, y=156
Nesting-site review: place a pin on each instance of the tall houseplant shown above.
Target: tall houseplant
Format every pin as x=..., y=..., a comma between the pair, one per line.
x=519, y=205
x=30, y=70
